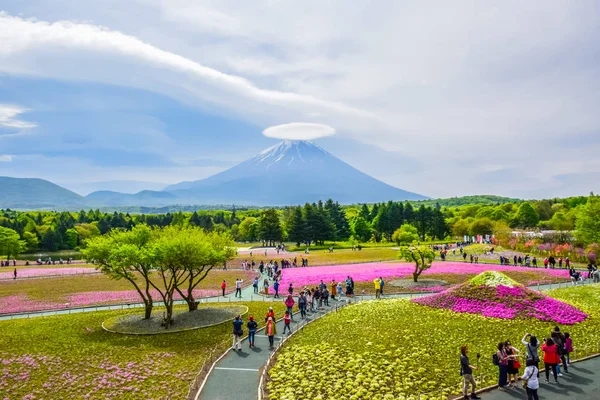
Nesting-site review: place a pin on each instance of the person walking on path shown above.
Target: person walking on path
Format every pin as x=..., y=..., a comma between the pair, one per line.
x=223, y=287
x=238, y=287
x=237, y=332
x=289, y=303
x=502, y=359
x=276, y=288
x=381, y=283
x=340, y=292
x=466, y=371
x=252, y=325
x=333, y=289
x=271, y=331
x=551, y=359
x=532, y=352
x=530, y=380
x=286, y=323
x=302, y=305
x=15, y=274
x=377, y=284
x=255, y=285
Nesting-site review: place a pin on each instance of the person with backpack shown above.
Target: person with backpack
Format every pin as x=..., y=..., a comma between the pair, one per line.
x=532, y=347
x=559, y=340
x=500, y=358
x=551, y=359
x=466, y=371
x=237, y=332
x=252, y=325
x=530, y=380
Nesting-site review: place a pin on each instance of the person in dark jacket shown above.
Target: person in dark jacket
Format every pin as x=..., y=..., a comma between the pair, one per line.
x=252, y=325
x=466, y=371
x=237, y=332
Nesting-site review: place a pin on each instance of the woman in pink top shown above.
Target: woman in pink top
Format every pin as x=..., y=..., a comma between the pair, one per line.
x=568, y=347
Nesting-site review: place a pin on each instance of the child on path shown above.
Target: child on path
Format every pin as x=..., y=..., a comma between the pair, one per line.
x=252, y=325
x=286, y=323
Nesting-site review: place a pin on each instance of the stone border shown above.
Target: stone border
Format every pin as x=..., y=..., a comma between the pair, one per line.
x=174, y=331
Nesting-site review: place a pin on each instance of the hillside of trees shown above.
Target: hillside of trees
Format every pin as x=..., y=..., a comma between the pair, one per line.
x=318, y=222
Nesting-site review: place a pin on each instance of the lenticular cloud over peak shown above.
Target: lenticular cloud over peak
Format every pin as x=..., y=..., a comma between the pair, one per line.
x=299, y=131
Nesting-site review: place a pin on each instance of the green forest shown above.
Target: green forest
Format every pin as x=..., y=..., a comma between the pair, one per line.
x=573, y=219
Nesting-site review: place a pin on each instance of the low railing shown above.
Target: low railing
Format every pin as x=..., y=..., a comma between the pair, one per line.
x=204, y=369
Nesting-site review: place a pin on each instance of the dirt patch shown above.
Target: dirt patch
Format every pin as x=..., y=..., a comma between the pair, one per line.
x=422, y=283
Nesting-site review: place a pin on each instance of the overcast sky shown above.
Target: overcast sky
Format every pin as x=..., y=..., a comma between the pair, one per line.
x=439, y=98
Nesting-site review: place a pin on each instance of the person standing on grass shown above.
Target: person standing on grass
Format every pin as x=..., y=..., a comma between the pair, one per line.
x=271, y=331
x=530, y=375
x=289, y=303
x=466, y=371
x=302, y=305
x=238, y=287
x=237, y=332
x=551, y=359
x=252, y=325
x=15, y=274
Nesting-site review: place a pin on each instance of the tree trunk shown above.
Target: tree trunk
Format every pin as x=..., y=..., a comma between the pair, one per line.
x=148, y=309
x=415, y=276
x=169, y=314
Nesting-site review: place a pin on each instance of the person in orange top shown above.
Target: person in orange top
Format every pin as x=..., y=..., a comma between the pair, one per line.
x=271, y=330
x=333, y=289
x=551, y=358
x=270, y=313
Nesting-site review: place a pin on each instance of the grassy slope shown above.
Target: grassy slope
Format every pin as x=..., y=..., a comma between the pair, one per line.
x=70, y=356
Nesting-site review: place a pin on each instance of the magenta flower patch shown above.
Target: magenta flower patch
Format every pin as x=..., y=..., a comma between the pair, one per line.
x=503, y=302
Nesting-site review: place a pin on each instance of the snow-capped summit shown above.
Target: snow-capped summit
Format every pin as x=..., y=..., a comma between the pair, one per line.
x=291, y=172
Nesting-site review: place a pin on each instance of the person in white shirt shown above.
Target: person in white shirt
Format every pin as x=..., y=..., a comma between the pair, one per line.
x=238, y=287
x=531, y=376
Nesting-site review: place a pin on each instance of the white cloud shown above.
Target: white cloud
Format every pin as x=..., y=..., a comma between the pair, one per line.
x=469, y=88
x=5, y=158
x=299, y=131
x=7, y=117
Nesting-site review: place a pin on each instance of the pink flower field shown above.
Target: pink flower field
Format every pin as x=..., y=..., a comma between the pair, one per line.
x=21, y=303
x=33, y=272
x=369, y=271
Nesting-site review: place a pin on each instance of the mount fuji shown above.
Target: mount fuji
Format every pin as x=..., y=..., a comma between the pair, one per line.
x=289, y=173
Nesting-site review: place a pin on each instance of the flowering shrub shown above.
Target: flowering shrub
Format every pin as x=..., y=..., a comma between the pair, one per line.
x=493, y=296
x=397, y=349
x=31, y=272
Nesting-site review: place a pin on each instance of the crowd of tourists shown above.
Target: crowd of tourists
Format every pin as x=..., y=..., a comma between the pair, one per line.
x=556, y=349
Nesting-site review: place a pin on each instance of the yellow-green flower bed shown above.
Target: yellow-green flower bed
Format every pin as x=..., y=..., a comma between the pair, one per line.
x=72, y=357
x=396, y=349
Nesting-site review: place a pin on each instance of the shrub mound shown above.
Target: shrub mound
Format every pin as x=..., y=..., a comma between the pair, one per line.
x=493, y=294
x=134, y=324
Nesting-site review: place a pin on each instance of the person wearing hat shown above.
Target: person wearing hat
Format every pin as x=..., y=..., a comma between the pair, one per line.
x=252, y=325
x=271, y=330
x=270, y=314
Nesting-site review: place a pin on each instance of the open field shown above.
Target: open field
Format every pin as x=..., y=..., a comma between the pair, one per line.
x=72, y=357
x=70, y=291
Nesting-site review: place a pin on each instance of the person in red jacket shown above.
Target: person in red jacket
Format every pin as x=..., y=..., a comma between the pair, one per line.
x=551, y=358
x=271, y=314
x=223, y=286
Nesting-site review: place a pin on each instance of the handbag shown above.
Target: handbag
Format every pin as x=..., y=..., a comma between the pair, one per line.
x=517, y=364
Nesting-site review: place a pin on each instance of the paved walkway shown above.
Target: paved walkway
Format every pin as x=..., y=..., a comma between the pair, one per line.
x=581, y=383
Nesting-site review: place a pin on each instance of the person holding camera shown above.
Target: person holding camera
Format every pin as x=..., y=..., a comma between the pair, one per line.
x=466, y=370
x=532, y=345
x=551, y=358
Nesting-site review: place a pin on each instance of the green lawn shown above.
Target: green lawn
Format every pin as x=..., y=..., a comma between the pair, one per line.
x=72, y=357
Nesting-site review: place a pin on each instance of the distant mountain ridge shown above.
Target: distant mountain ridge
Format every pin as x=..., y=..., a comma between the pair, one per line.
x=288, y=173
